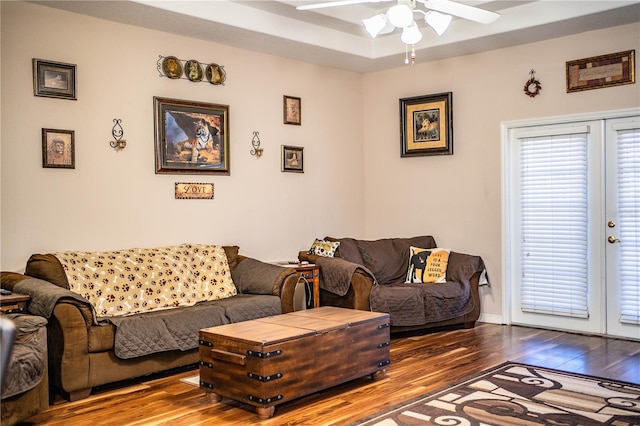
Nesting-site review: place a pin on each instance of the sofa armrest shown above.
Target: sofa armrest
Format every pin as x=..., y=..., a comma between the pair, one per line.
x=45, y=296
x=304, y=256
x=462, y=267
x=256, y=277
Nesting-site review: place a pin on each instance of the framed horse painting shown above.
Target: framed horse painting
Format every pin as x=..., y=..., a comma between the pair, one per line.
x=426, y=125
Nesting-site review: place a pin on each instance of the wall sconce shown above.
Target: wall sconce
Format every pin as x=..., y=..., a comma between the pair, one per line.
x=117, y=132
x=255, y=142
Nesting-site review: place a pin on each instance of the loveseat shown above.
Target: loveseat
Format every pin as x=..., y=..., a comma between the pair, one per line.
x=123, y=314
x=380, y=275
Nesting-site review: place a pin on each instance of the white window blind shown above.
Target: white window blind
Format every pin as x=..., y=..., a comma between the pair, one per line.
x=554, y=219
x=629, y=223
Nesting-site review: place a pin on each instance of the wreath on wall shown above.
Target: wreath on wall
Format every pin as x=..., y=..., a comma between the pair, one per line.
x=532, y=87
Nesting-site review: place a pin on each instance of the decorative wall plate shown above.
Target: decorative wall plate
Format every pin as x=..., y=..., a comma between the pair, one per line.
x=216, y=74
x=193, y=70
x=172, y=67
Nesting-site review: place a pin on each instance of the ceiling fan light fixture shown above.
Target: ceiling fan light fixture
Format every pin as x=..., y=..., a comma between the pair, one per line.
x=411, y=34
x=400, y=15
x=438, y=21
x=378, y=24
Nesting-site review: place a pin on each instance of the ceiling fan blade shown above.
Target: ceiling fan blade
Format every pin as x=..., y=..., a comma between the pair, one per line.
x=461, y=10
x=336, y=3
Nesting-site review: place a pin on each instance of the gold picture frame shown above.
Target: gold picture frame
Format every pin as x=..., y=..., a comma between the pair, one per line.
x=292, y=110
x=58, y=149
x=614, y=69
x=426, y=125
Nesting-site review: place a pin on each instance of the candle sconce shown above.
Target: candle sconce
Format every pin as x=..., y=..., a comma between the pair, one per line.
x=117, y=132
x=255, y=142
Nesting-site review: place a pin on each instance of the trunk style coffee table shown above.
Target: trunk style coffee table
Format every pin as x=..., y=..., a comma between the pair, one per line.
x=268, y=361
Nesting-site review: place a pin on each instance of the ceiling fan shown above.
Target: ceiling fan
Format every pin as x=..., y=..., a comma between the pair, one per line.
x=444, y=6
x=438, y=15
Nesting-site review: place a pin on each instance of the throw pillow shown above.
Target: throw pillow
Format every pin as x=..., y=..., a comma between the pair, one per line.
x=324, y=248
x=427, y=265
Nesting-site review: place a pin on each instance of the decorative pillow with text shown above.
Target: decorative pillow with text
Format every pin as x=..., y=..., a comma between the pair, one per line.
x=427, y=265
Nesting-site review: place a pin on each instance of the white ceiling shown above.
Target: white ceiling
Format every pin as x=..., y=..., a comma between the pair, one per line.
x=335, y=36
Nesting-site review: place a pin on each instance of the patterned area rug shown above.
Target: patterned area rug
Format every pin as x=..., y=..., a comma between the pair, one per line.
x=518, y=394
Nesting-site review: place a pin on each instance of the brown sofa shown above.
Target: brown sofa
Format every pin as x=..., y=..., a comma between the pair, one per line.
x=83, y=348
x=370, y=275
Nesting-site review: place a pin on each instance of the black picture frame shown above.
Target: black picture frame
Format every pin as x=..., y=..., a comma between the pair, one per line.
x=191, y=137
x=426, y=125
x=292, y=110
x=292, y=159
x=54, y=79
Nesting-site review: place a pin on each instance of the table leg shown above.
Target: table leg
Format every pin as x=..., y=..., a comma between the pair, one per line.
x=265, y=412
x=212, y=396
x=380, y=374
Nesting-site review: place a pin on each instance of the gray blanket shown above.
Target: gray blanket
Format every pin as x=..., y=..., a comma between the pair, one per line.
x=45, y=295
x=337, y=273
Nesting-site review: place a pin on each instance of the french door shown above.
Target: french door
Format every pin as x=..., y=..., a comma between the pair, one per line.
x=572, y=224
x=623, y=226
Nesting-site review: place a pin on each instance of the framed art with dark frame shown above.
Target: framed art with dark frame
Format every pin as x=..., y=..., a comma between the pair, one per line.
x=191, y=137
x=292, y=159
x=58, y=149
x=292, y=110
x=597, y=72
x=54, y=79
x=426, y=125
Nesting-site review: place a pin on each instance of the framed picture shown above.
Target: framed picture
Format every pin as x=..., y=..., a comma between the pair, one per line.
x=54, y=79
x=292, y=159
x=601, y=71
x=292, y=109
x=58, y=149
x=191, y=137
x=426, y=125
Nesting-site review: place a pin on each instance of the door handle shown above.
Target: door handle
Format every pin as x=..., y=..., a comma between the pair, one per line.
x=613, y=239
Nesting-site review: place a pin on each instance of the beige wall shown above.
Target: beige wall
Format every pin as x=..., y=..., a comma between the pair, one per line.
x=355, y=183
x=458, y=198
x=114, y=199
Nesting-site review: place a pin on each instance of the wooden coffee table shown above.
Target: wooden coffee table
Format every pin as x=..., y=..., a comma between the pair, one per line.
x=268, y=361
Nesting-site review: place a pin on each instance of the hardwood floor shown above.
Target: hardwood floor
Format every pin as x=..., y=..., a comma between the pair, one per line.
x=419, y=363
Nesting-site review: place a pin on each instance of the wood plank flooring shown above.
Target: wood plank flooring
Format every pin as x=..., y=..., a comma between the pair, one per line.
x=419, y=363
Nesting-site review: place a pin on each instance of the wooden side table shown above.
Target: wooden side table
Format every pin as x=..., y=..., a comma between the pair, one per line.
x=311, y=274
x=13, y=303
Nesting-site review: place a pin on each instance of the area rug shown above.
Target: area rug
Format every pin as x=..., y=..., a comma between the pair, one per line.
x=192, y=380
x=519, y=394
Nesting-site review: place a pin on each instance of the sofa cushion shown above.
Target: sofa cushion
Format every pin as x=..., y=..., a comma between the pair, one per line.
x=256, y=277
x=427, y=265
x=124, y=282
x=245, y=307
x=387, y=258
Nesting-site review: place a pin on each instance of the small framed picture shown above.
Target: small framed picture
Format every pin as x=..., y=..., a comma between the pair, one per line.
x=58, y=149
x=54, y=79
x=292, y=110
x=292, y=159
